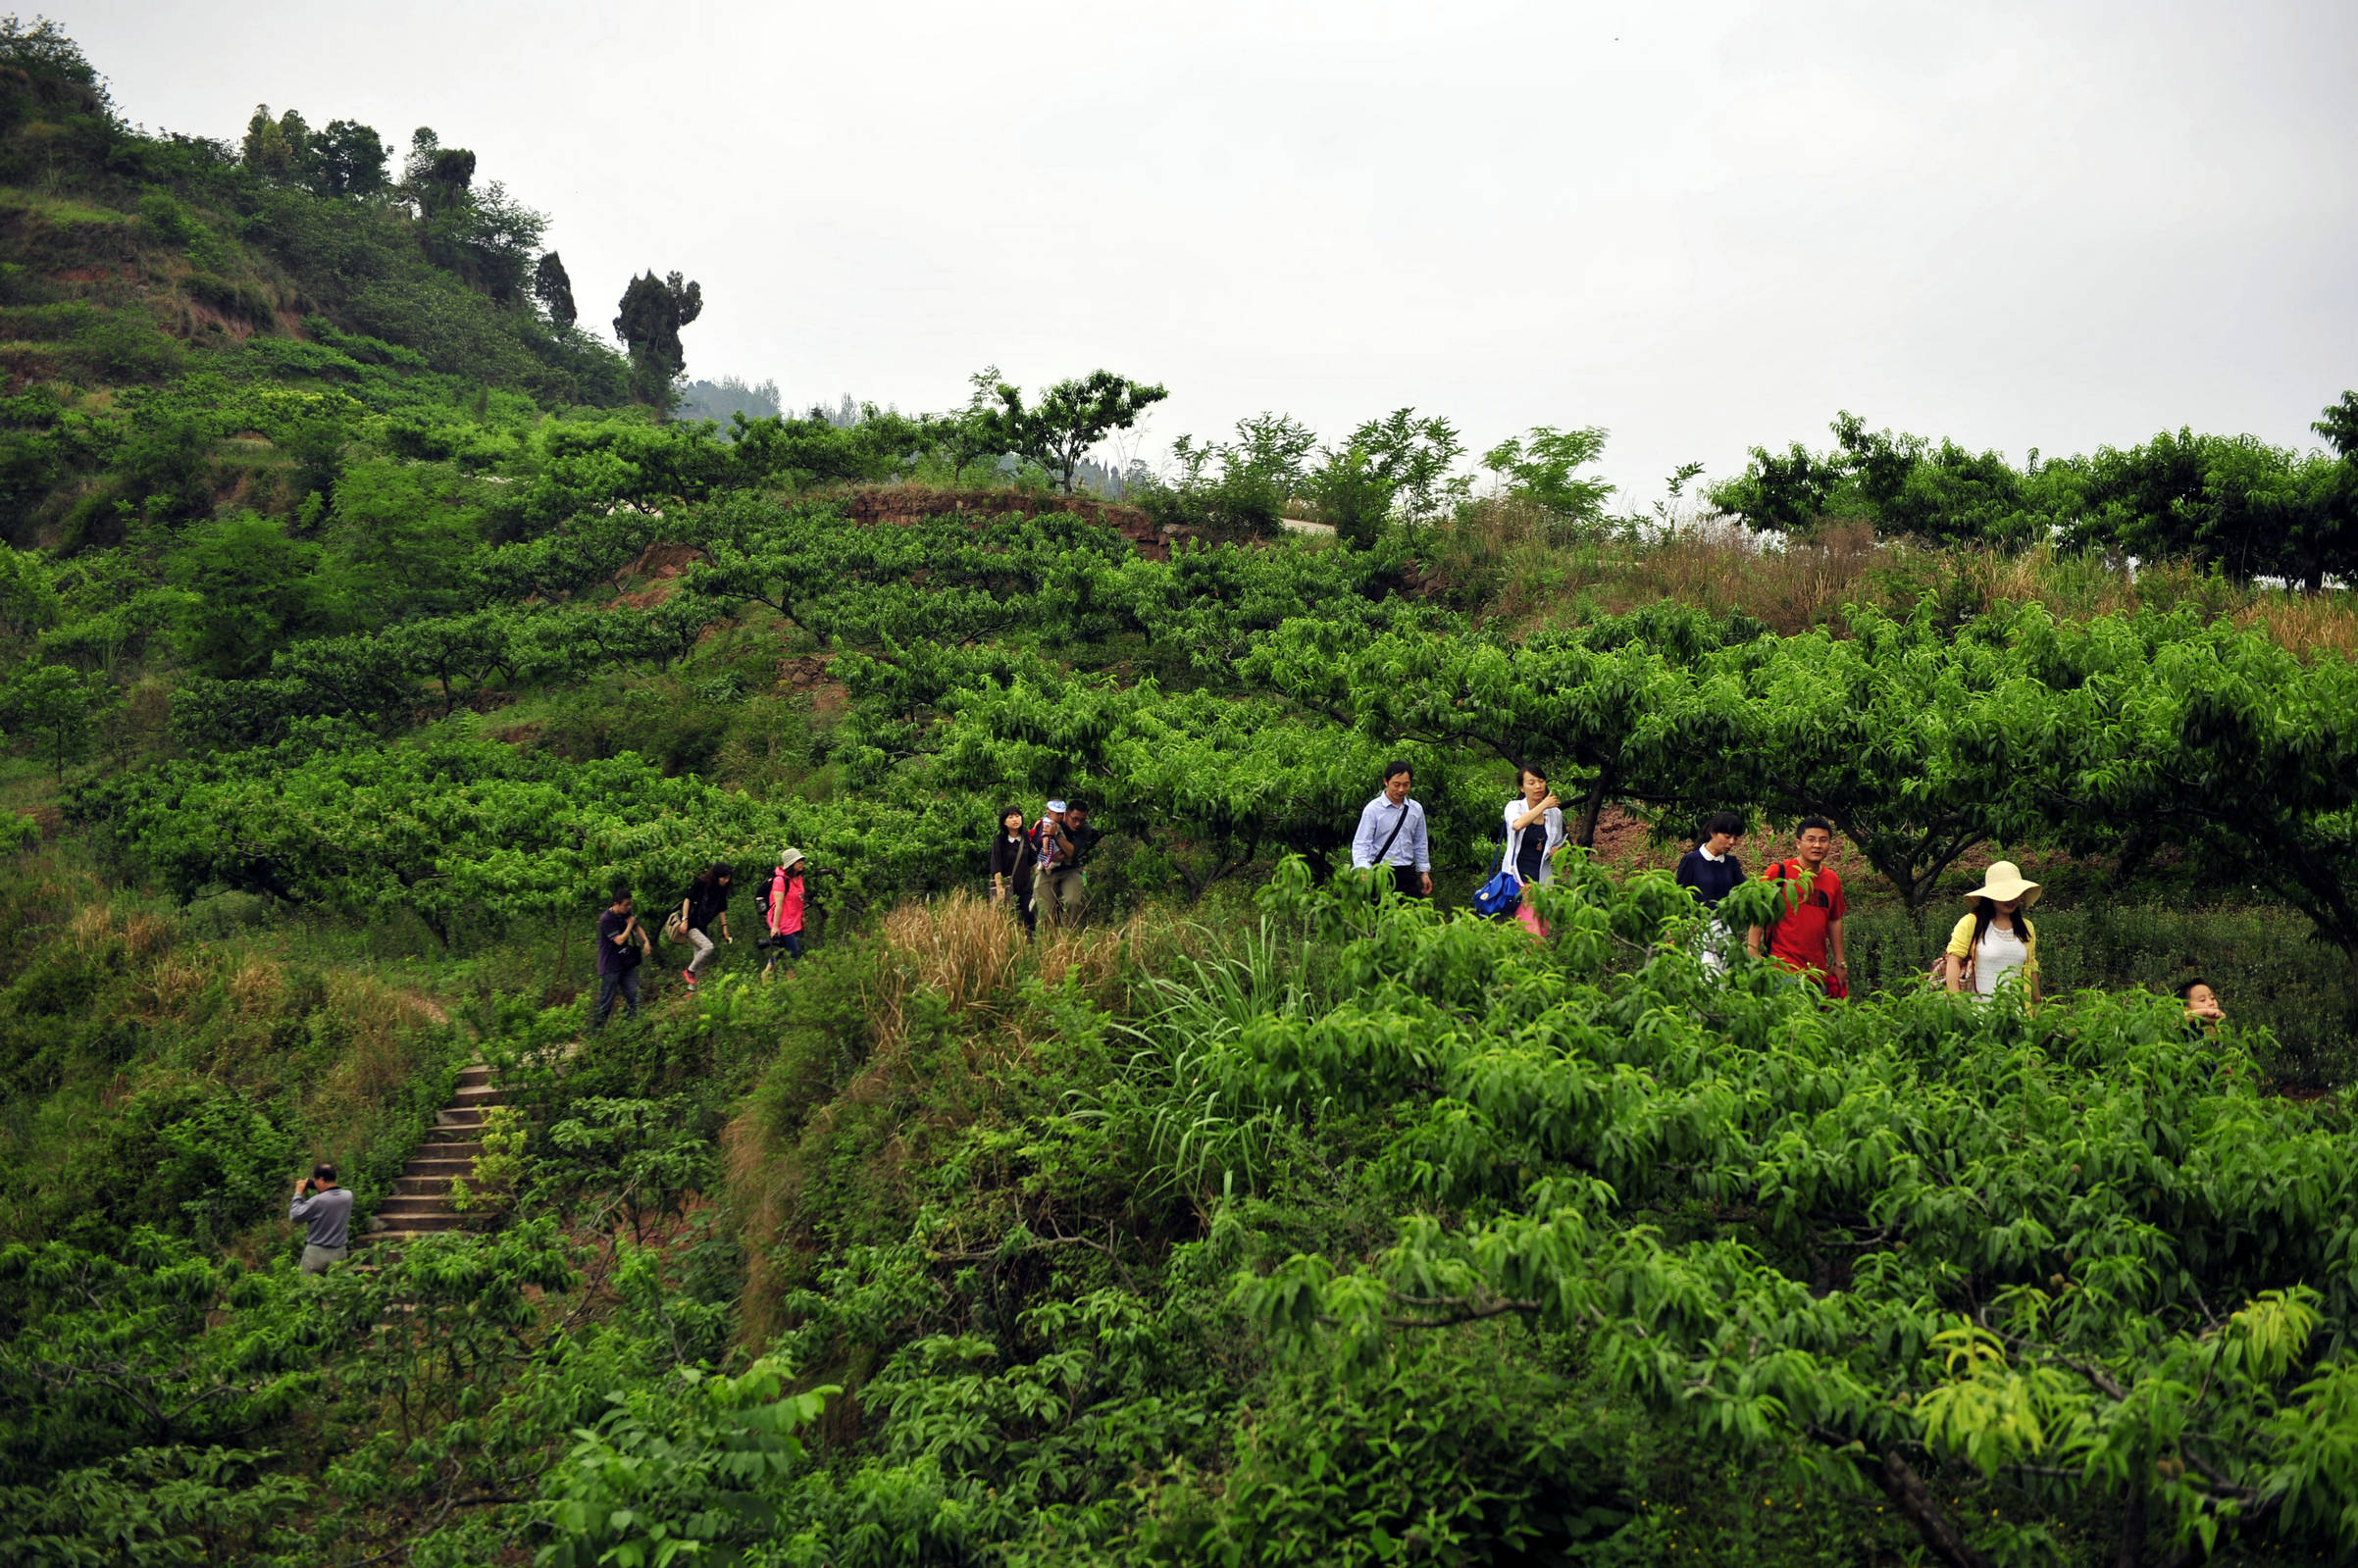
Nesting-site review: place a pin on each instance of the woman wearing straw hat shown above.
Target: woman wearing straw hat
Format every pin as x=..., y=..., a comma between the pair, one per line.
x=1996, y=938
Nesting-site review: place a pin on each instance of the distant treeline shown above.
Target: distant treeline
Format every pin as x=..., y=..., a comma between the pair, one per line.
x=2235, y=502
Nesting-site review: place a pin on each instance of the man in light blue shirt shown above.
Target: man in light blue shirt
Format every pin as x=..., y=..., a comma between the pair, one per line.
x=1392, y=834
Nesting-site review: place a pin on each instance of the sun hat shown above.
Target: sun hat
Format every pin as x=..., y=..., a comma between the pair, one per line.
x=789, y=857
x=2003, y=881
x=1056, y=805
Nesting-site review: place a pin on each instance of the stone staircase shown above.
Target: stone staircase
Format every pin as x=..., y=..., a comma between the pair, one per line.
x=421, y=1200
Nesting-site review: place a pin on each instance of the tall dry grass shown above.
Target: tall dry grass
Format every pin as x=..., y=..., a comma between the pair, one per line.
x=958, y=957
x=1503, y=560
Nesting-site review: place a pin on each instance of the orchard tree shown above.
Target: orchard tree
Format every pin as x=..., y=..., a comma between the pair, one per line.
x=2219, y=740
x=1071, y=418
x=56, y=707
x=553, y=288
x=653, y=309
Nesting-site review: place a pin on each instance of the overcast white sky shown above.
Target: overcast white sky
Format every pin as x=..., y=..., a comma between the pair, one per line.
x=1702, y=225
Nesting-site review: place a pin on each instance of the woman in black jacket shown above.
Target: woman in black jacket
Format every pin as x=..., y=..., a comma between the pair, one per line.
x=705, y=902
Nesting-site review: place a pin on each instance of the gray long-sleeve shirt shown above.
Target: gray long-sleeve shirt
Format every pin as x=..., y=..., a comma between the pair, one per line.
x=1376, y=820
x=326, y=1217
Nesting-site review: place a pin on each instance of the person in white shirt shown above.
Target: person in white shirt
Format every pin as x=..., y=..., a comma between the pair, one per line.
x=1996, y=937
x=1534, y=828
x=1392, y=834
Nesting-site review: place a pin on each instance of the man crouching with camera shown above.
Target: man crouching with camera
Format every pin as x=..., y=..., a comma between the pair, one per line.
x=326, y=1211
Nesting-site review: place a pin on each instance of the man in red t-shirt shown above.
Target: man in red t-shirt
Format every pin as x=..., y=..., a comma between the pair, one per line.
x=1807, y=938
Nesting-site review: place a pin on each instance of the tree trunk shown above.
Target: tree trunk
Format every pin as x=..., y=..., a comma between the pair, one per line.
x=1594, y=808
x=1905, y=1489
x=2132, y=1525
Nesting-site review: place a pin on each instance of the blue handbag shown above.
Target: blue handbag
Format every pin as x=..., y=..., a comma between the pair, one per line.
x=1500, y=896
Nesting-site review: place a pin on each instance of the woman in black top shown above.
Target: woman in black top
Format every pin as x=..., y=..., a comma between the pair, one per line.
x=705, y=902
x=1012, y=862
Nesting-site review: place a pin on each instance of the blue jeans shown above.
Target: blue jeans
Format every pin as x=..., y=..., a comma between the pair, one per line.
x=789, y=943
x=623, y=981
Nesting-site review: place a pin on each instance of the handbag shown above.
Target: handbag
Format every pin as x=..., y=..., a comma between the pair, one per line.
x=1500, y=896
x=675, y=928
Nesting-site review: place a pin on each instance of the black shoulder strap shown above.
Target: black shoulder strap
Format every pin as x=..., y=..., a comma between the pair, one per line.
x=1396, y=828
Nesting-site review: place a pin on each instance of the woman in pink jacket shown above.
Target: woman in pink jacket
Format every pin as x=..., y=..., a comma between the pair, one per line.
x=783, y=916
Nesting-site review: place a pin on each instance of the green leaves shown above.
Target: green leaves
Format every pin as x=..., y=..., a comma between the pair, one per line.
x=691, y=1468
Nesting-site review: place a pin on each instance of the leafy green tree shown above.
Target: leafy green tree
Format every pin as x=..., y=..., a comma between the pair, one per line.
x=1417, y=458
x=1543, y=470
x=28, y=599
x=437, y=179
x=653, y=309
x=1787, y=492
x=56, y=706
x=1352, y=494
x=974, y=433
x=276, y=149
x=1940, y=494
x=348, y=159
x=2211, y=738
x=2328, y=543
x=401, y=538
x=254, y=589
x=1239, y=488
x=1070, y=418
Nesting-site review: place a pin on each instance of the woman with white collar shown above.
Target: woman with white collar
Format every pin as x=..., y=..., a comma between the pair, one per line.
x=1535, y=829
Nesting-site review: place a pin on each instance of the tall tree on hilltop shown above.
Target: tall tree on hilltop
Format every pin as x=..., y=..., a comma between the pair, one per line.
x=347, y=159
x=268, y=149
x=1071, y=418
x=436, y=177
x=553, y=288
x=653, y=309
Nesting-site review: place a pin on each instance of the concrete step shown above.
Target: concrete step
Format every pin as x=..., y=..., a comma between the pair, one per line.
x=429, y=1165
x=468, y=1117
x=475, y=1077
x=424, y=1186
x=394, y=1225
x=402, y=1207
x=453, y=1148
x=410, y=1230
x=477, y=1094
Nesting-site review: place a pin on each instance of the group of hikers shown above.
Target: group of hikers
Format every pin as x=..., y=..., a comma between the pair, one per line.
x=624, y=943
x=1993, y=940
x=1039, y=872
x=1042, y=869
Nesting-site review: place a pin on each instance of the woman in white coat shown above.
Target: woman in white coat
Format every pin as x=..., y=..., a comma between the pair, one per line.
x=1535, y=829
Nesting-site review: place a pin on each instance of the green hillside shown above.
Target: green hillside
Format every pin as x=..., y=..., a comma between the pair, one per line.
x=368, y=624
